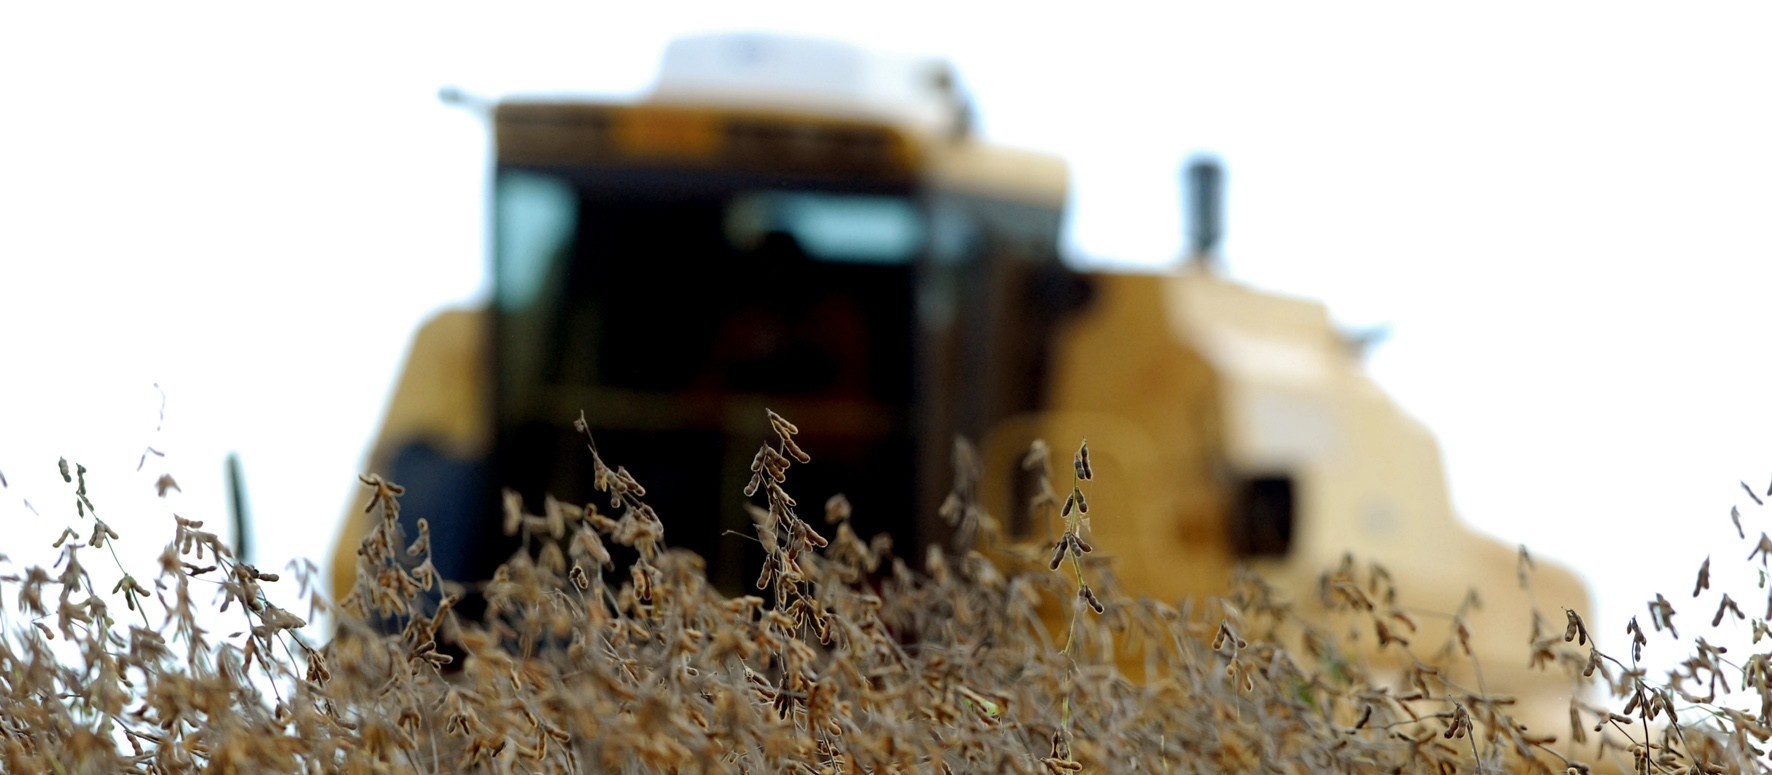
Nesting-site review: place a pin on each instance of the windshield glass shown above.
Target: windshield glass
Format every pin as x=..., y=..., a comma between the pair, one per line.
x=672, y=311
x=842, y=228
x=538, y=216
x=737, y=289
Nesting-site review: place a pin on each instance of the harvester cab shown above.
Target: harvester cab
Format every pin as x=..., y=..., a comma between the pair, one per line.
x=799, y=226
x=783, y=224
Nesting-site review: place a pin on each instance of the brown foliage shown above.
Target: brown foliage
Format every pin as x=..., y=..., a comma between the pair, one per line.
x=850, y=661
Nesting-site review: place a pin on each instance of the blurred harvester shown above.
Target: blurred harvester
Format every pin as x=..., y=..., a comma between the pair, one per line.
x=798, y=225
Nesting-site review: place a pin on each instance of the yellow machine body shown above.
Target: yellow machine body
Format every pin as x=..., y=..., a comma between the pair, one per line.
x=1189, y=387
x=1228, y=425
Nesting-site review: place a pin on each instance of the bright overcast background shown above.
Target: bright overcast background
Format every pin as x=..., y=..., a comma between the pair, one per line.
x=1563, y=212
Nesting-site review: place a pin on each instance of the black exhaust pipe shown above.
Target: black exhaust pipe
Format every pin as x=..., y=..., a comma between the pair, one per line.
x=1203, y=182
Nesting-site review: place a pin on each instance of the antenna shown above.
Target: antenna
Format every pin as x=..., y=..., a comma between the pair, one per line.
x=237, y=499
x=1203, y=183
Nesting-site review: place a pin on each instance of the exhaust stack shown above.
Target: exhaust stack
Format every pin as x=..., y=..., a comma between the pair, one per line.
x=1203, y=183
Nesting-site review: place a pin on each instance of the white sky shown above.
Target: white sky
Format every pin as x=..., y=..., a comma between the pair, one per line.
x=1562, y=213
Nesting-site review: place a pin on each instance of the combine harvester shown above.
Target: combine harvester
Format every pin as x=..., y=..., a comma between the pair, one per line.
x=798, y=225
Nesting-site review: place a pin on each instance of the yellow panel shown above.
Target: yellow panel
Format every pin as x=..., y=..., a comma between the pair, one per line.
x=668, y=132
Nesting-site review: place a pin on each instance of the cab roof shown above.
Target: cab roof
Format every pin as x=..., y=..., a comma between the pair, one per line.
x=777, y=102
